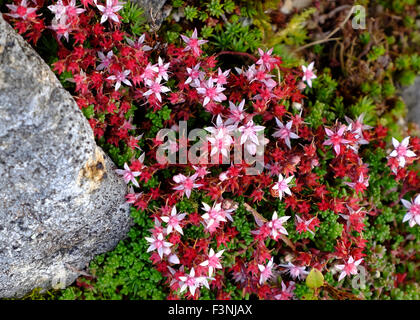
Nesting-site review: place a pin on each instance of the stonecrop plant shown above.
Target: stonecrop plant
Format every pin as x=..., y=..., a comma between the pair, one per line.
x=331, y=199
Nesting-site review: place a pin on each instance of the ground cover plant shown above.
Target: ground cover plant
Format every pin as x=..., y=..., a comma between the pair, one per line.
x=367, y=64
x=334, y=214
x=372, y=63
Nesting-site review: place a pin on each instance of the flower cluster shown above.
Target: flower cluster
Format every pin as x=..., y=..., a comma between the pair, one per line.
x=214, y=222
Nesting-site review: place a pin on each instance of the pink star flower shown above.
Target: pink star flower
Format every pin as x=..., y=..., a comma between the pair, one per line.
x=109, y=11
x=286, y=292
x=128, y=175
x=120, y=77
x=360, y=185
x=214, y=215
x=173, y=221
x=221, y=77
x=266, y=59
x=195, y=76
x=294, y=271
x=285, y=132
x=352, y=216
x=192, y=282
x=302, y=225
x=266, y=272
x=357, y=126
x=402, y=151
x=156, y=88
x=308, y=74
x=211, y=92
x=220, y=138
x=249, y=134
x=237, y=113
x=282, y=185
x=251, y=72
x=162, y=69
x=61, y=27
x=139, y=43
x=201, y=171
x=21, y=11
x=70, y=10
x=213, y=261
x=158, y=243
x=264, y=77
x=149, y=72
x=193, y=43
x=336, y=138
x=105, y=60
x=348, y=268
x=276, y=225
x=59, y=9
x=132, y=196
x=186, y=184
x=413, y=213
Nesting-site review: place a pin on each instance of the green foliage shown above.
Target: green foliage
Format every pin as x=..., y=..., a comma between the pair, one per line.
x=89, y=111
x=376, y=52
x=408, y=67
x=410, y=292
x=327, y=105
x=215, y=8
x=229, y=6
x=47, y=48
x=302, y=291
x=64, y=79
x=127, y=273
x=367, y=106
x=407, y=77
x=315, y=279
x=364, y=38
x=388, y=89
x=316, y=114
x=157, y=119
x=235, y=36
x=228, y=31
x=295, y=32
x=119, y=155
x=191, y=13
x=325, y=87
x=286, y=54
x=329, y=230
x=40, y=294
x=403, y=62
x=177, y=3
x=133, y=16
x=243, y=222
x=124, y=273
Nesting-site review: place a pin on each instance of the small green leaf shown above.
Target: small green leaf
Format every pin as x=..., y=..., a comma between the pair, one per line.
x=309, y=296
x=315, y=279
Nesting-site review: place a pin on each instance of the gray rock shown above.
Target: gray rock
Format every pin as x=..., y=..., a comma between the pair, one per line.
x=290, y=5
x=61, y=202
x=411, y=97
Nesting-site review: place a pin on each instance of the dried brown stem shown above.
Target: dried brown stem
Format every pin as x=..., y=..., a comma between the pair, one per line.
x=328, y=37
